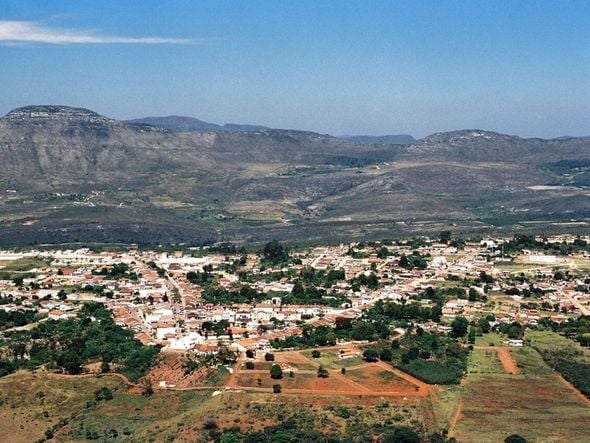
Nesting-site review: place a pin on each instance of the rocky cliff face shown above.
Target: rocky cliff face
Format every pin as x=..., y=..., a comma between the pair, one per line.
x=76, y=173
x=54, y=112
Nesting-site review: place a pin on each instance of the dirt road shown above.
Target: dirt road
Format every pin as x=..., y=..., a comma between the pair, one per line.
x=504, y=356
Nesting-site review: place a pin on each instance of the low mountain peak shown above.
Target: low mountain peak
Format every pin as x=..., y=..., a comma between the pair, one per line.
x=53, y=112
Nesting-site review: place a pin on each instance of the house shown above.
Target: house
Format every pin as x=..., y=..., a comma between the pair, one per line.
x=513, y=342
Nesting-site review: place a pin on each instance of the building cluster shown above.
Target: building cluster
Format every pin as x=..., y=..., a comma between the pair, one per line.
x=152, y=296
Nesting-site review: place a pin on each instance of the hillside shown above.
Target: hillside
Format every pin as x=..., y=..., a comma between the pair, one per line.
x=177, y=123
x=70, y=174
x=397, y=139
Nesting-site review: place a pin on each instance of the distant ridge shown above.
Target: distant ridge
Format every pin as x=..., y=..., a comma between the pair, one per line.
x=394, y=139
x=72, y=175
x=178, y=123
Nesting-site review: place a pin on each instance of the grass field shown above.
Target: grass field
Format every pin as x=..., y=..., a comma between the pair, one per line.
x=329, y=359
x=31, y=404
x=482, y=361
x=529, y=361
x=490, y=339
x=548, y=340
x=536, y=403
x=298, y=381
x=380, y=380
x=24, y=264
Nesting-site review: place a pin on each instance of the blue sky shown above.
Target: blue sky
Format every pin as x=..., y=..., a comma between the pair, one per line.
x=340, y=67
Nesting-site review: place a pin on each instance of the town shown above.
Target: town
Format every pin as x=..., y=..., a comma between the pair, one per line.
x=197, y=300
x=396, y=325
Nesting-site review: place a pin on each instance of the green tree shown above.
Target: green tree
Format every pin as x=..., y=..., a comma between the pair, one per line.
x=103, y=393
x=370, y=355
x=459, y=326
x=274, y=253
x=515, y=438
x=402, y=435
x=323, y=372
x=276, y=388
x=276, y=372
x=445, y=236
x=484, y=325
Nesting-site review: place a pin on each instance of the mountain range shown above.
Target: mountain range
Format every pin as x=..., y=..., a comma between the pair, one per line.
x=177, y=123
x=72, y=175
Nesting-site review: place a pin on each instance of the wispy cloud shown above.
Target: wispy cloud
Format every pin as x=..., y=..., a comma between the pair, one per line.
x=34, y=32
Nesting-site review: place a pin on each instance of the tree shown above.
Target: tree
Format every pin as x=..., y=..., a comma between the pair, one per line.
x=484, y=325
x=331, y=338
x=250, y=353
x=298, y=289
x=402, y=435
x=276, y=388
x=269, y=357
x=276, y=372
x=316, y=354
x=322, y=372
x=386, y=354
x=459, y=327
x=515, y=438
x=343, y=323
x=445, y=236
x=249, y=365
x=71, y=362
x=274, y=253
x=105, y=367
x=103, y=393
x=370, y=355
x=147, y=389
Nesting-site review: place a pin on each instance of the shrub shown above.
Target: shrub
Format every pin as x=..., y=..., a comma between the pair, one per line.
x=370, y=355
x=276, y=388
x=276, y=372
x=103, y=393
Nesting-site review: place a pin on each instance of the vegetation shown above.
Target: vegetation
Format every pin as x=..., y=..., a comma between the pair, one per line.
x=560, y=353
x=274, y=253
x=11, y=319
x=117, y=271
x=276, y=372
x=375, y=324
x=69, y=344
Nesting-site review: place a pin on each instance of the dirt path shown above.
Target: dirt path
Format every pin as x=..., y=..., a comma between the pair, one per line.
x=504, y=356
x=574, y=390
x=455, y=419
x=232, y=380
x=108, y=374
x=423, y=388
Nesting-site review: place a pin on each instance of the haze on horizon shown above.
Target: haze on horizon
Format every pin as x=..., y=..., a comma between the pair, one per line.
x=338, y=67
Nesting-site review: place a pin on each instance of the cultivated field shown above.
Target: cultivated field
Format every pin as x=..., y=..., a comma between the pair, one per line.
x=535, y=403
x=300, y=376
